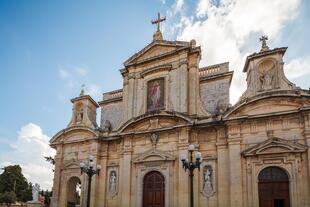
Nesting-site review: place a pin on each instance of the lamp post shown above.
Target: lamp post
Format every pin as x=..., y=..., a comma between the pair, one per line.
x=89, y=169
x=191, y=166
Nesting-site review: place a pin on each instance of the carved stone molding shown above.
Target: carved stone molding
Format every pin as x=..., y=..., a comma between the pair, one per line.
x=274, y=145
x=153, y=155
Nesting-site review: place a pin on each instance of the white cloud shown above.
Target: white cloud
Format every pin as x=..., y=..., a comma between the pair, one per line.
x=28, y=151
x=81, y=71
x=75, y=76
x=179, y=5
x=63, y=73
x=223, y=29
x=297, y=67
x=93, y=90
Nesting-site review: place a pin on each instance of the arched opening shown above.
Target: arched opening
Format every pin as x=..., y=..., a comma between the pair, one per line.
x=273, y=188
x=73, y=192
x=154, y=190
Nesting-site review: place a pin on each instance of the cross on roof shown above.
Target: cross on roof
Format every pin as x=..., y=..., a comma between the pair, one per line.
x=158, y=21
x=264, y=43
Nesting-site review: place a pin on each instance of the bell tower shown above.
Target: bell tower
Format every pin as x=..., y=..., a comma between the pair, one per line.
x=265, y=71
x=84, y=111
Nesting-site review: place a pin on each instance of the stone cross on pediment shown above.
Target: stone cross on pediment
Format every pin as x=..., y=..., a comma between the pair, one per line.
x=158, y=21
x=263, y=39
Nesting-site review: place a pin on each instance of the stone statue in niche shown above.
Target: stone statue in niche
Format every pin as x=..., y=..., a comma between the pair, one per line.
x=266, y=80
x=112, y=182
x=207, y=180
x=79, y=115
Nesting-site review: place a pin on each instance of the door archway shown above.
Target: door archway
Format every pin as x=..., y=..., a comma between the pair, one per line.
x=273, y=188
x=154, y=190
x=73, y=192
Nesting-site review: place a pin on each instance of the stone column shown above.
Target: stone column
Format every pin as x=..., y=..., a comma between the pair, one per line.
x=125, y=173
x=101, y=186
x=57, y=177
x=131, y=96
x=183, y=178
x=183, y=83
x=235, y=167
x=307, y=139
x=193, y=86
x=223, y=175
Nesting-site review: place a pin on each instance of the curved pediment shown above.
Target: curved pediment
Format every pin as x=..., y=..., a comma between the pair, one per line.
x=153, y=155
x=269, y=104
x=274, y=145
x=74, y=133
x=151, y=122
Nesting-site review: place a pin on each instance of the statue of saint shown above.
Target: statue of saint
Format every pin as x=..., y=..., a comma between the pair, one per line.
x=35, y=192
x=266, y=81
x=207, y=185
x=79, y=116
x=112, y=182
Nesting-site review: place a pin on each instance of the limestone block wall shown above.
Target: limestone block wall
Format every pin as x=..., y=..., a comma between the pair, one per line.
x=214, y=93
x=112, y=112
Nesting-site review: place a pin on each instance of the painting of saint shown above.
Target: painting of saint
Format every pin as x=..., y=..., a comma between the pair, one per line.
x=155, y=94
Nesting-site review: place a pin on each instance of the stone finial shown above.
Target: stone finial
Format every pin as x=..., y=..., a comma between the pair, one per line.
x=82, y=93
x=264, y=43
x=158, y=35
x=193, y=43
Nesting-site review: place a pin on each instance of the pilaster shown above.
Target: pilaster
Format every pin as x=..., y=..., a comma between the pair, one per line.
x=235, y=166
x=57, y=177
x=223, y=175
x=125, y=169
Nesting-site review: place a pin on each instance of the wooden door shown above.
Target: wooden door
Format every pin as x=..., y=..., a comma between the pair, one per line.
x=154, y=190
x=273, y=188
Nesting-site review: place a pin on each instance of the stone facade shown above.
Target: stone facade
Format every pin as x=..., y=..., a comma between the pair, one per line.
x=268, y=127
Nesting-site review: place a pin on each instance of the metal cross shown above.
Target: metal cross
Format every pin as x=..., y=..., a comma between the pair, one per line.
x=158, y=21
x=264, y=44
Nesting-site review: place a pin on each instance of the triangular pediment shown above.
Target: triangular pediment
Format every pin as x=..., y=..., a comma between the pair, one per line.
x=153, y=155
x=274, y=145
x=156, y=49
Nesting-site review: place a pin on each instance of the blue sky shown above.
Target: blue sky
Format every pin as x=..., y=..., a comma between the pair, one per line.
x=48, y=49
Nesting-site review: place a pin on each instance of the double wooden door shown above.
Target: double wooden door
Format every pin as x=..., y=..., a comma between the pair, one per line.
x=154, y=190
x=273, y=188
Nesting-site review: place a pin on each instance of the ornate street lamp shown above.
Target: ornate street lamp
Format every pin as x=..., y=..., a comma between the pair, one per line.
x=89, y=169
x=191, y=166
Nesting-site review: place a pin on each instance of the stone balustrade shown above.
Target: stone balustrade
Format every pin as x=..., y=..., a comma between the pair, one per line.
x=214, y=69
x=113, y=95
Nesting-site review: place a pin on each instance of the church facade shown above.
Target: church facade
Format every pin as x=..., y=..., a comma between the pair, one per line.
x=254, y=153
